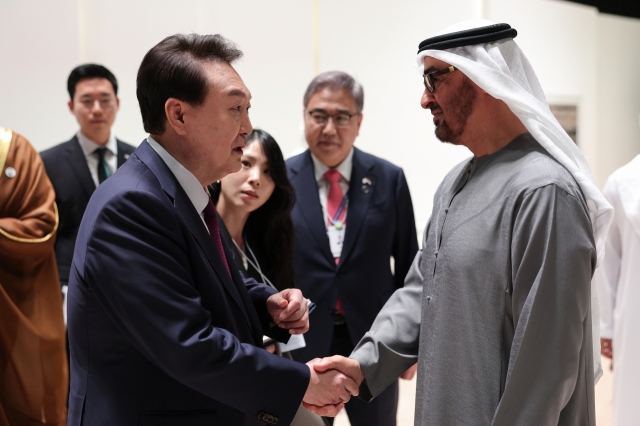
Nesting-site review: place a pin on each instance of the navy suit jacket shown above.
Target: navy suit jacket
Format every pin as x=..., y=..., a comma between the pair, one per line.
x=160, y=334
x=69, y=173
x=380, y=225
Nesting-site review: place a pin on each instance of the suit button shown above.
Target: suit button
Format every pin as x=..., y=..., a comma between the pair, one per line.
x=267, y=418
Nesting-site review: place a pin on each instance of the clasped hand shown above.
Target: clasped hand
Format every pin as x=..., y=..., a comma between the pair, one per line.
x=289, y=310
x=333, y=381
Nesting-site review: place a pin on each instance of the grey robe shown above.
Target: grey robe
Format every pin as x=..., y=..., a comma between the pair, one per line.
x=496, y=307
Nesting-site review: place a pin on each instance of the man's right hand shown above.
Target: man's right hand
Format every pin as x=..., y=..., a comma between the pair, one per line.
x=328, y=390
x=345, y=368
x=606, y=347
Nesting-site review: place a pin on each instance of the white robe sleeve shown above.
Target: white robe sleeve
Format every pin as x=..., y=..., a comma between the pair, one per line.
x=609, y=271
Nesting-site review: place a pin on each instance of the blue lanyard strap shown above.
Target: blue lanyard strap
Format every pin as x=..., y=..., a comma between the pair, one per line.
x=341, y=207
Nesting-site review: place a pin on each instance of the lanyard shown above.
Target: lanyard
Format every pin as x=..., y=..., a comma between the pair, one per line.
x=338, y=224
x=253, y=263
x=256, y=265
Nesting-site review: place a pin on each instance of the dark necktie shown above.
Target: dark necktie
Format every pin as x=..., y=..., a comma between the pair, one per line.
x=103, y=168
x=211, y=219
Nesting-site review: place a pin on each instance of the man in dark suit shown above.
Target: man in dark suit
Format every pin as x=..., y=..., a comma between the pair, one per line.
x=78, y=166
x=162, y=327
x=353, y=214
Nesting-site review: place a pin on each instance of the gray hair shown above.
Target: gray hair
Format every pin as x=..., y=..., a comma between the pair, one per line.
x=334, y=81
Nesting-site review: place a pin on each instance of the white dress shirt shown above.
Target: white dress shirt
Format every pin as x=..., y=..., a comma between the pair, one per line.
x=89, y=148
x=320, y=169
x=195, y=191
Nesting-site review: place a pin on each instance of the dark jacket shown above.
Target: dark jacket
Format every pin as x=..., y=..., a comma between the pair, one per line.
x=380, y=225
x=67, y=168
x=160, y=334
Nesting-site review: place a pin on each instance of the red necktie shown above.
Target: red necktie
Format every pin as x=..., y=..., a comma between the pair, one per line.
x=334, y=199
x=335, y=196
x=211, y=219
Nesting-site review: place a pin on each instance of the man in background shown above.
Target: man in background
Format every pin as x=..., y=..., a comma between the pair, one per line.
x=33, y=366
x=78, y=166
x=620, y=292
x=353, y=216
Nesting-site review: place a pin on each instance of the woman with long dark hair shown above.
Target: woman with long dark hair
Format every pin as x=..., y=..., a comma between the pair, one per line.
x=255, y=207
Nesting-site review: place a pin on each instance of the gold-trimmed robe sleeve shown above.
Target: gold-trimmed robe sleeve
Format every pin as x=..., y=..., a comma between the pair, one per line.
x=33, y=365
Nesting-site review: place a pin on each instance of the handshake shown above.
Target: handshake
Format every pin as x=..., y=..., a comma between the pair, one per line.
x=333, y=381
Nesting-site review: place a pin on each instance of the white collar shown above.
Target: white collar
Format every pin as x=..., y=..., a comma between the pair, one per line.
x=187, y=180
x=343, y=168
x=89, y=147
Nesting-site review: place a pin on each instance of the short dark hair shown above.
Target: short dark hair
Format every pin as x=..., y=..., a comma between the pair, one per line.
x=85, y=71
x=334, y=81
x=173, y=69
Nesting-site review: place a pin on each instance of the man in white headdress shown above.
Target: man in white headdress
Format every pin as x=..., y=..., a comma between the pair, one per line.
x=620, y=292
x=497, y=308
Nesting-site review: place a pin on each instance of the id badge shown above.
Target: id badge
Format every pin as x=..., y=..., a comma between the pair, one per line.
x=336, y=239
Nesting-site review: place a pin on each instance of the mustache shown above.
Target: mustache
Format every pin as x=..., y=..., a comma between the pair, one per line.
x=434, y=108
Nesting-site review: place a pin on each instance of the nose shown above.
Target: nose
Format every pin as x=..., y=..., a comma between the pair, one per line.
x=245, y=126
x=330, y=127
x=427, y=99
x=255, y=175
x=96, y=107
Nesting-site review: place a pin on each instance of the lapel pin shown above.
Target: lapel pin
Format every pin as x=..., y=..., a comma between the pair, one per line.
x=366, y=185
x=10, y=172
x=126, y=156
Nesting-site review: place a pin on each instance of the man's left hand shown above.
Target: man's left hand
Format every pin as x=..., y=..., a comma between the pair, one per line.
x=289, y=310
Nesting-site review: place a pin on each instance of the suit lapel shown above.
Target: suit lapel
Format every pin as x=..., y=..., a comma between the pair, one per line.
x=309, y=203
x=123, y=153
x=361, y=188
x=193, y=220
x=78, y=163
x=198, y=229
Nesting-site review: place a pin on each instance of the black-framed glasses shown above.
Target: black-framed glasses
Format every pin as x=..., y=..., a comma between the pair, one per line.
x=321, y=118
x=430, y=78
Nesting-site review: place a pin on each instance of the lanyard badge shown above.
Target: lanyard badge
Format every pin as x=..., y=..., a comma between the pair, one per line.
x=336, y=229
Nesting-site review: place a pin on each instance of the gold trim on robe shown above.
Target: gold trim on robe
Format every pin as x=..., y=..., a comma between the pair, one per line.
x=34, y=240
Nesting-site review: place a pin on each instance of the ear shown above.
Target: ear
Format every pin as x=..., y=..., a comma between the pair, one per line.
x=360, y=117
x=117, y=104
x=174, y=110
x=70, y=105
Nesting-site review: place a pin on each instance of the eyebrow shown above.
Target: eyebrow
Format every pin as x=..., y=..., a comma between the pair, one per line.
x=339, y=111
x=250, y=157
x=103, y=94
x=237, y=92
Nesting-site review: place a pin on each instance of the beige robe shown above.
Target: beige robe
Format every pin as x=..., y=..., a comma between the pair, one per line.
x=33, y=365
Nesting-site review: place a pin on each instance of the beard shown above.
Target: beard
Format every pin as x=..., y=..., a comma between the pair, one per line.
x=449, y=130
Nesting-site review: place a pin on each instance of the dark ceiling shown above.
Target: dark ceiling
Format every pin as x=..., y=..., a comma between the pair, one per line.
x=629, y=8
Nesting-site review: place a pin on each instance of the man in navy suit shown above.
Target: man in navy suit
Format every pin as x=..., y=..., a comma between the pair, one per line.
x=78, y=166
x=163, y=329
x=353, y=214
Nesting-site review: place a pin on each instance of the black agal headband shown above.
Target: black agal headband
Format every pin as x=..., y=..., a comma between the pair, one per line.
x=468, y=37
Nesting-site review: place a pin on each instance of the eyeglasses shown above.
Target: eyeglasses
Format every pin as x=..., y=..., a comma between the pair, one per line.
x=430, y=79
x=340, y=119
